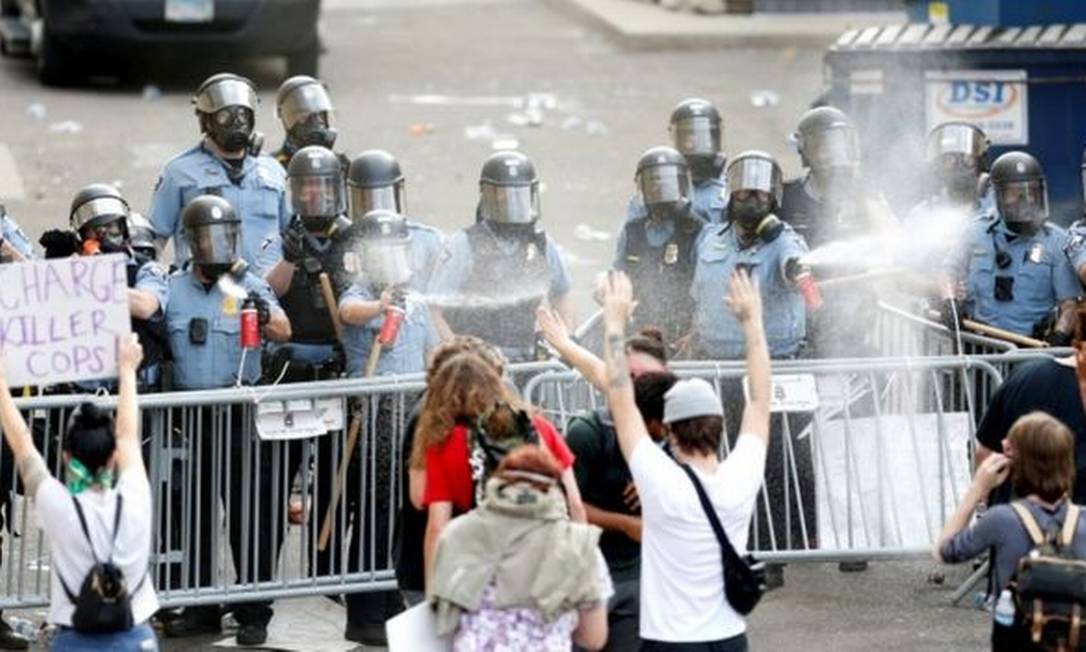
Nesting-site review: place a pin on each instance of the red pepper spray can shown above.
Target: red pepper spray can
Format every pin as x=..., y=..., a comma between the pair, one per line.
x=250, y=325
x=390, y=329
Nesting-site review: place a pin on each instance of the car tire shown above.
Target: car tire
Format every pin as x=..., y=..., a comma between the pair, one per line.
x=304, y=62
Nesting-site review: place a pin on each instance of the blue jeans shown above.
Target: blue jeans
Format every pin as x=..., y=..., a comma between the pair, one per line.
x=140, y=638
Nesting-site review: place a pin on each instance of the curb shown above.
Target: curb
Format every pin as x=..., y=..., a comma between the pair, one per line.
x=637, y=26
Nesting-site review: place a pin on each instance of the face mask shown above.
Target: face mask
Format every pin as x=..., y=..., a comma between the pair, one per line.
x=749, y=212
x=110, y=239
x=702, y=166
x=231, y=128
x=663, y=211
x=305, y=135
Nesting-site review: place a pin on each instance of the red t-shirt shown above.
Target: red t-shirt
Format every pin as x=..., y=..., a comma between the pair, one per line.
x=448, y=474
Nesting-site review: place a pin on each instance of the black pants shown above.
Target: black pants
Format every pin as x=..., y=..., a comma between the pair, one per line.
x=733, y=644
x=623, y=616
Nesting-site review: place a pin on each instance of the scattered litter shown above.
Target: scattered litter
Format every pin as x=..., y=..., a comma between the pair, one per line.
x=542, y=101
x=504, y=141
x=586, y=232
x=571, y=123
x=764, y=98
x=530, y=117
x=458, y=100
x=66, y=127
x=37, y=111
x=484, y=131
x=24, y=628
x=596, y=128
x=421, y=128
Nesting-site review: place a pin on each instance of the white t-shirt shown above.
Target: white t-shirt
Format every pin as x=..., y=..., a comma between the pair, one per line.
x=70, y=555
x=682, y=577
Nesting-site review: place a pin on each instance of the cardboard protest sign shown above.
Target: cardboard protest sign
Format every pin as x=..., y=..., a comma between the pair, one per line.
x=60, y=318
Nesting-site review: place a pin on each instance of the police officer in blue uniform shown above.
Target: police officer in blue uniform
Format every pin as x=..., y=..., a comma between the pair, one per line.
x=657, y=250
x=1013, y=273
x=1076, y=233
x=306, y=111
x=142, y=239
x=495, y=274
x=99, y=224
x=227, y=164
x=377, y=183
x=14, y=245
x=696, y=130
x=772, y=253
x=204, y=321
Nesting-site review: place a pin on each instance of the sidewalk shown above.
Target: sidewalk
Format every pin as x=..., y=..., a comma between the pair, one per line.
x=640, y=24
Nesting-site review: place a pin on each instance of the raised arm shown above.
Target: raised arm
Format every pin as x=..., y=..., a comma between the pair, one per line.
x=617, y=297
x=554, y=330
x=129, y=356
x=745, y=301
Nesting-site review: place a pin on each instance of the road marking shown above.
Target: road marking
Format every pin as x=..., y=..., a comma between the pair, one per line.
x=11, y=184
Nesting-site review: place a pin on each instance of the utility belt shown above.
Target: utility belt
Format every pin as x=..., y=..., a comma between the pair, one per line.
x=285, y=366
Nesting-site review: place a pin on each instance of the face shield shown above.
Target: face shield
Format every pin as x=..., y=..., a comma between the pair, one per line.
x=304, y=103
x=837, y=147
x=224, y=94
x=1022, y=202
x=386, y=262
x=956, y=139
x=755, y=174
x=663, y=184
x=99, y=211
x=390, y=198
x=215, y=244
x=509, y=204
x=696, y=136
x=317, y=196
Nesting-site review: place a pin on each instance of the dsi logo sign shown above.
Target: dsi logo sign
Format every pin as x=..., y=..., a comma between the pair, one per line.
x=997, y=101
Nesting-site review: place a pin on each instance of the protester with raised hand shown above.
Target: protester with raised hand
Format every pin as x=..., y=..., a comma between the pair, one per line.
x=682, y=584
x=103, y=514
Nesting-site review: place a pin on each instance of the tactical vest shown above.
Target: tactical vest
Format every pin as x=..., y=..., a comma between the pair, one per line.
x=508, y=289
x=309, y=315
x=662, y=276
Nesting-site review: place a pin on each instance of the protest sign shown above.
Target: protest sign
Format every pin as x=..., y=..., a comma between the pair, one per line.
x=60, y=318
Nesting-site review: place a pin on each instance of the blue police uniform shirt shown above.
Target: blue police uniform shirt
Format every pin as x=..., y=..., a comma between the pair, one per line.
x=709, y=199
x=216, y=362
x=427, y=243
x=259, y=197
x=416, y=338
x=717, y=332
x=14, y=236
x=656, y=232
x=455, y=266
x=1041, y=272
x=1075, y=246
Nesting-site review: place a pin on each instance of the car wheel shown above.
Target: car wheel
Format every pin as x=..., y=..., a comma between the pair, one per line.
x=304, y=62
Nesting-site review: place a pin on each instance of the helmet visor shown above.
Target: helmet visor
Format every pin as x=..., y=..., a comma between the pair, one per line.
x=509, y=204
x=215, y=244
x=836, y=147
x=663, y=184
x=956, y=139
x=386, y=262
x=317, y=196
x=228, y=92
x=1023, y=201
x=364, y=200
x=99, y=211
x=755, y=174
x=303, y=102
x=697, y=135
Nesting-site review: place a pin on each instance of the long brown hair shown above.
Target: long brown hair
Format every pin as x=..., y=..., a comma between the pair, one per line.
x=1044, y=457
x=466, y=386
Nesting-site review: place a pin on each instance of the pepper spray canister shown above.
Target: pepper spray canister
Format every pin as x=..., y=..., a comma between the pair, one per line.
x=250, y=325
x=390, y=329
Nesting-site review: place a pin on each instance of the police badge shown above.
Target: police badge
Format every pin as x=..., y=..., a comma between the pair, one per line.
x=671, y=253
x=1036, y=253
x=532, y=252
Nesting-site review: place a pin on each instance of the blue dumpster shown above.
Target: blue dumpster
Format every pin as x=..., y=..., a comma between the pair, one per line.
x=999, y=13
x=1024, y=85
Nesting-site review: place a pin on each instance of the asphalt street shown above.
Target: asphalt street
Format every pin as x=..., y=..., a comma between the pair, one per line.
x=440, y=83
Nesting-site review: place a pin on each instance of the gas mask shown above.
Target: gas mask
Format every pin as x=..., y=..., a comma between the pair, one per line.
x=749, y=209
x=314, y=130
x=111, y=237
x=231, y=128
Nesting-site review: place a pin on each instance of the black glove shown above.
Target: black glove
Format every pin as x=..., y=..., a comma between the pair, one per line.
x=1058, y=339
x=294, y=250
x=263, y=310
x=59, y=244
x=951, y=314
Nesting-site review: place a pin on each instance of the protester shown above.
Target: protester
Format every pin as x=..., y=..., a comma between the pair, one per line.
x=470, y=416
x=683, y=605
x=103, y=514
x=515, y=573
x=1041, y=467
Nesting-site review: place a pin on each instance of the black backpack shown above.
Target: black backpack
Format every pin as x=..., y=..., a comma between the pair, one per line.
x=1049, y=586
x=486, y=451
x=104, y=604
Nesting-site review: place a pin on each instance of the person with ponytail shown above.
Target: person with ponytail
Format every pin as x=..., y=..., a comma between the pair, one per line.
x=99, y=518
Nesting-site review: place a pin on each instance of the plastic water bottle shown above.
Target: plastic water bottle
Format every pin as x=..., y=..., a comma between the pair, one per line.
x=24, y=628
x=1004, y=609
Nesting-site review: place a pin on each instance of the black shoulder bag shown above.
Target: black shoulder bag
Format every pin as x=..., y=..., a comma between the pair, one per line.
x=744, y=577
x=104, y=604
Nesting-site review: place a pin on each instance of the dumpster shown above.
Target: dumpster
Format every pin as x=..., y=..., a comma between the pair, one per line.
x=998, y=13
x=1024, y=85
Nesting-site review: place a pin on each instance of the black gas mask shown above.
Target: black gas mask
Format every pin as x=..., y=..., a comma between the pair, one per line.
x=111, y=237
x=231, y=128
x=313, y=130
x=748, y=208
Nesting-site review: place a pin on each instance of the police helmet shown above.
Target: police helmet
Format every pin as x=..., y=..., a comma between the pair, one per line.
x=376, y=182
x=304, y=108
x=212, y=229
x=962, y=139
x=1020, y=188
x=696, y=128
x=509, y=189
x=386, y=247
x=756, y=170
x=316, y=186
x=662, y=176
x=97, y=205
x=225, y=90
x=142, y=237
x=826, y=138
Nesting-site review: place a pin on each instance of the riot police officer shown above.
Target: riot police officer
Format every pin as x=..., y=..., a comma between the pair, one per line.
x=304, y=108
x=14, y=245
x=657, y=250
x=99, y=217
x=377, y=183
x=494, y=274
x=1076, y=233
x=226, y=163
x=831, y=201
x=204, y=321
x=142, y=239
x=1013, y=273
